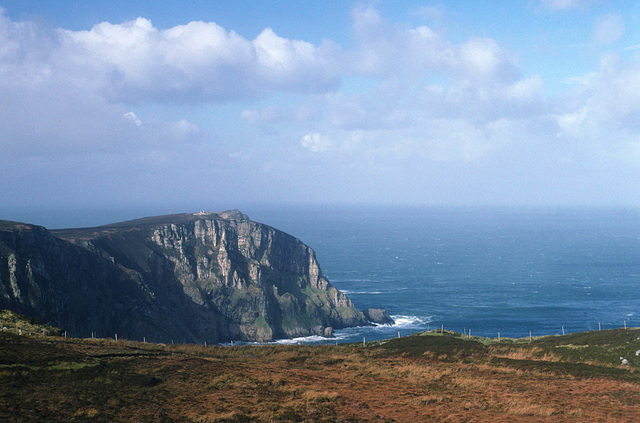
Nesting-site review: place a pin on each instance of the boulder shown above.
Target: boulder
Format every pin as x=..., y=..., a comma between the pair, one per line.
x=379, y=316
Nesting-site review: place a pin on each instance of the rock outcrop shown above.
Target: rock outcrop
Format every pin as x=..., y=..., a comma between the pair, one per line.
x=379, y=316
x=196, y=277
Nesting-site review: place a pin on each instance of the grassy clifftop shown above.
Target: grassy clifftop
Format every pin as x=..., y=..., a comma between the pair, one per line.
x=424, y=377
x=13, y=322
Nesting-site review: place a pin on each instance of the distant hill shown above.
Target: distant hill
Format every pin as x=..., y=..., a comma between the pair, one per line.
x=193, y=277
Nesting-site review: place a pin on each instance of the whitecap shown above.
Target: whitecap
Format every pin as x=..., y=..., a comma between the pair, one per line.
x=406, y=321
x=302, y=340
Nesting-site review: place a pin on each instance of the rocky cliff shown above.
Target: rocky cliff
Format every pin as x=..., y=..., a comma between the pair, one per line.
x=188, y=277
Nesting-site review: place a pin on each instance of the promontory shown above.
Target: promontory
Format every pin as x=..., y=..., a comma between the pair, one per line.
x=195, y=277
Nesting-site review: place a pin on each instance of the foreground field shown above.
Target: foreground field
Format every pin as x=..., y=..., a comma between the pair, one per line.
x=425, y=377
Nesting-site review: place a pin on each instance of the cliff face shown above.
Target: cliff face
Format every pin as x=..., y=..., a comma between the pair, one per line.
x=190, y=277
x=59, y=283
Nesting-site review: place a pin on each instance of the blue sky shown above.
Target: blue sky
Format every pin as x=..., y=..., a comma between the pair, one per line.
x=159, y=105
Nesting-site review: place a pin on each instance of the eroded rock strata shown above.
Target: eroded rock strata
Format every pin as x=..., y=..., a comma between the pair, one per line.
x=197, y=277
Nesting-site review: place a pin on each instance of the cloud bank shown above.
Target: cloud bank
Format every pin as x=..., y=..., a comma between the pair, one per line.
x=123, y=112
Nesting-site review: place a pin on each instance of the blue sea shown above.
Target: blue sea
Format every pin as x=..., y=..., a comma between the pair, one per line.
x=486, y=271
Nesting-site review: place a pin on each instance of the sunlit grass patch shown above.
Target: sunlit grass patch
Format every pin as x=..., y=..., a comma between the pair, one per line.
x=417, y=374
x=314, y=396
x=524, y=407
x=428, y=399
x=531, y=353
x=89, y=412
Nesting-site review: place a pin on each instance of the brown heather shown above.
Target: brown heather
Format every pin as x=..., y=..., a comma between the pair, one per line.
x=426, y=377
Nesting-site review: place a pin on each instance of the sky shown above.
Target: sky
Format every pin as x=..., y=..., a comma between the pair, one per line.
x=167, y=106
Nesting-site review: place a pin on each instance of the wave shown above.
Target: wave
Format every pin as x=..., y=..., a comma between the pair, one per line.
x=349, y=292
x=410, y=321
x=303, y=340
x=355, y=333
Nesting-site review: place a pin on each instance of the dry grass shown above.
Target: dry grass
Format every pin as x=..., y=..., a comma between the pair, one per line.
x=533, y=353
x=526, y=408
x=42, y=380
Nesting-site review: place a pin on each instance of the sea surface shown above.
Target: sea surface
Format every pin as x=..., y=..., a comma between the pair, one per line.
x=484, y=271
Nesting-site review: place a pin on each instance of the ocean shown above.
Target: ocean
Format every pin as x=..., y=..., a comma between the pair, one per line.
x=484, y=271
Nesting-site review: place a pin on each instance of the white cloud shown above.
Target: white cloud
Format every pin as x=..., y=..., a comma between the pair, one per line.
x=133, y=118
x=316, y=142
x=268, y=115
x=386, y=49
x=609, y=29
x=72, y=92
x=295, y=65
x=395, y=115
x=196, y=62
x=104, y=70
x=526, y=89
x=575, y=122
x=382, y=108
x=429, y=12
x=415, y=102
x=565, y=4
x=605, y=109
x=482, y=57
x=184, y=128
x=25, y=52
x=581, y=79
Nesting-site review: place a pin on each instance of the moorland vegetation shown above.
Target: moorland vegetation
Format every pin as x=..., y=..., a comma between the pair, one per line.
x=430, y=376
